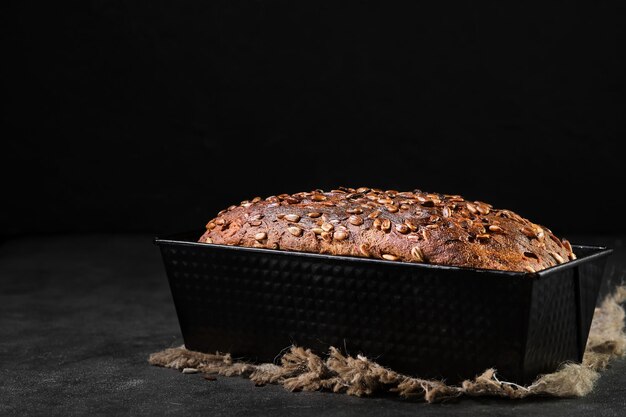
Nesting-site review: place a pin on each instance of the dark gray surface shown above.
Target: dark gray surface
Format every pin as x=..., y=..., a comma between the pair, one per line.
x=80, y=314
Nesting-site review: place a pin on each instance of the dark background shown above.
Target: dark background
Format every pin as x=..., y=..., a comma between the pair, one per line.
x=152, y=116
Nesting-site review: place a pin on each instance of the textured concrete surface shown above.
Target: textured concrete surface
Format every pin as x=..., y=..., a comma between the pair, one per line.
x=79, y=316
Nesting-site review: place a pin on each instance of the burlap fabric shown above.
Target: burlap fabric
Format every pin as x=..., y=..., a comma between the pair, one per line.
x=302, y=370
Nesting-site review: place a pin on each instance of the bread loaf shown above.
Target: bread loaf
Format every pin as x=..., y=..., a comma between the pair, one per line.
x=397, y=226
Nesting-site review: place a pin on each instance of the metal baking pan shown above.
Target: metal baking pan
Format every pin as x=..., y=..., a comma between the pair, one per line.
x=425, y=320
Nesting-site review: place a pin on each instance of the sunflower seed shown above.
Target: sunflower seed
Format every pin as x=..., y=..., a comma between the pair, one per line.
x=327, y=227
x=390, y=257
x=404, y=207
x=528, y=232
x=255, y=222
x=454, y=198
x=567, y=245
x=417, y=254
x=412, y=226
x=219, y=222
x=529, y=269
x=296, y=231
x=558, y=257
x=446, y=212
x=483, y=237
x=540, y=233
x=555, y=239
x=364, y=249
x=260, y=236
x=256, y=199
x=294, y=218
x=340, y=235
x=317, y=230
x=496, y=229
x=291, y=200
x=209, y=240
x=362, y=190
x=373, y=214
x=314, y=214
x=355, y=220
x=402, y=228
x=354, y=210
x=385, y=225
x=318, y=197
x=392, y=209
x=472, y=208
x=210, y=226
x=190, y=371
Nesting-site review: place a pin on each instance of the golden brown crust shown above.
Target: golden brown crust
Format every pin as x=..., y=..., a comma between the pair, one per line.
x=405, y=226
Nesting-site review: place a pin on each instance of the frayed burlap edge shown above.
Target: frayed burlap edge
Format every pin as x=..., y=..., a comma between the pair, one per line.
x=302, y=370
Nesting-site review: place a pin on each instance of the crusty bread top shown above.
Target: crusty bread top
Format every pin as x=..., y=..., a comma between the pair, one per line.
x=397, y=226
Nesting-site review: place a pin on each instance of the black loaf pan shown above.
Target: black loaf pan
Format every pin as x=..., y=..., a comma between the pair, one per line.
x=423, y=320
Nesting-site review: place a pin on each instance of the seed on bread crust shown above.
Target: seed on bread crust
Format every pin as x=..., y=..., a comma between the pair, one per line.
x=296, y=231
x=388, y=225
x=355, y=220
x=558, y=257
x=340, y=235
x=528, y=232
x=417, y=254
x=402, y=228
x=354, y=210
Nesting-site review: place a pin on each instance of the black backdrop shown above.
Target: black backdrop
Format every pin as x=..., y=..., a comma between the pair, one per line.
x=152, y=116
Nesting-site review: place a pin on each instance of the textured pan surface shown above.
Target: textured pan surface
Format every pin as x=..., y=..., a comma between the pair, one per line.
x=432, y=321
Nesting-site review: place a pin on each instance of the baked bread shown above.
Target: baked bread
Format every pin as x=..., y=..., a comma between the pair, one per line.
x=397, y=226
